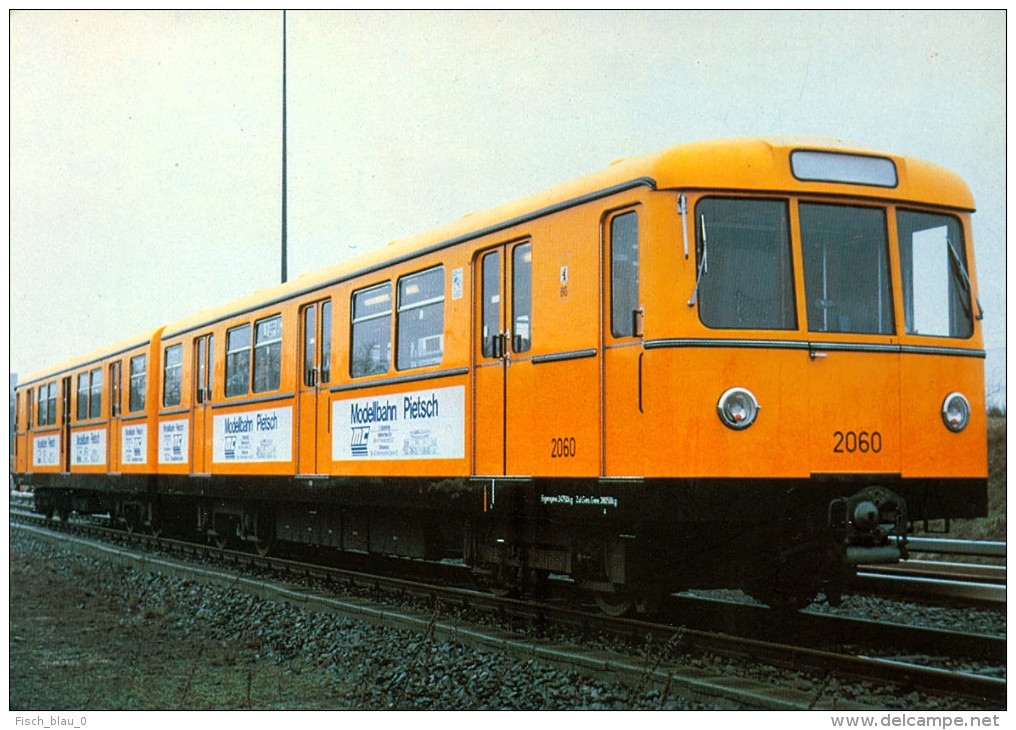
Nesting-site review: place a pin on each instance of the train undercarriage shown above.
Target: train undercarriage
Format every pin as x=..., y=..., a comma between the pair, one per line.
x=626, y=545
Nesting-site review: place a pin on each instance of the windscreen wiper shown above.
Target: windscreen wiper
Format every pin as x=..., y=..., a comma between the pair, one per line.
x=966, y=279
x=703, y=267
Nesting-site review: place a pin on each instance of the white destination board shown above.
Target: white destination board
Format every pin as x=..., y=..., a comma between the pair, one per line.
x=134, y=444
x=46, y=450
x=88, y=448
x=173, y=441
x=423, y=424
x=253, y=436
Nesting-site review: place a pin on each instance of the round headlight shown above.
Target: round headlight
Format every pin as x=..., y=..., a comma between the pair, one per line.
x=955, y=412
x=737, y=408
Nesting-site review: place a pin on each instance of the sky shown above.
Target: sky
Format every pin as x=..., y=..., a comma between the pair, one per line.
x=145, y=147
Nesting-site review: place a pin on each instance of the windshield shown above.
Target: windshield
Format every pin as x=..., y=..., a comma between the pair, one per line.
x=746, y=280
x=936, y=295
x=846, y=269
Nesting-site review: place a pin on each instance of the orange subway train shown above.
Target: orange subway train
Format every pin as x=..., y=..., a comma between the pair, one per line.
x=743, y=363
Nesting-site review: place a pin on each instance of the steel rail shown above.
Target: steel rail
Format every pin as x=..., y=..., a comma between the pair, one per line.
x=988, y=690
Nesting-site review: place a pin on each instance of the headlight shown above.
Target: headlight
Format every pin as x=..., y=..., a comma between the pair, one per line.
x=737, y=408
x=955, y=412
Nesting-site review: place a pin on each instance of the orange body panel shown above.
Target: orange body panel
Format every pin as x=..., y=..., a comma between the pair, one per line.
x=573, y=400
x=932, y=450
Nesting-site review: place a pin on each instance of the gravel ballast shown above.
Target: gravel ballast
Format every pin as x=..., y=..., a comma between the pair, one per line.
x=88, y=635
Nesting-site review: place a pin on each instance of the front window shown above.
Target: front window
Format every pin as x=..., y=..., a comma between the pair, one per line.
x=936, y=295
x=846, y=269
x=745, y=276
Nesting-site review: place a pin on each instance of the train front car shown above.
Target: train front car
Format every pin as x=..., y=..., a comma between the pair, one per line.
x=811, y=372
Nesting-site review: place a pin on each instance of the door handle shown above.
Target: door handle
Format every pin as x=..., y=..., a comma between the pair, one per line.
x=813, y=354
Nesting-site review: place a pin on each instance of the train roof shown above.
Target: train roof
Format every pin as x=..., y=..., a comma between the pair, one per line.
x=745, y=164
x=98, y=355
x=757, y=163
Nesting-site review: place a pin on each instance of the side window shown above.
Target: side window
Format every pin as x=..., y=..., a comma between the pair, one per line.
x=744, y=269
x=82, y=409
x=371, y=344
x=268, y=354
x=43, y=405
x=51, y=412
x=95, y=394
x=309, y=344
x=491, y=303
x=29, y=404
x=326, y=342
x=139, y=383
x=421, y=319
x=172, y=373
x=238, y=361
x=624, y=273
x=522, y=297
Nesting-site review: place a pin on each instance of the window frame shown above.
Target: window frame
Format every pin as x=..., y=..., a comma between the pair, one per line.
x=81, y=409
x=172, y=376
x=95, y=393
x=622, y=321
x=135, y=377
x=417, y=306
x=231, y=357
x=269, y=352
x=787, y=309
x=886, y=298
x=959, y=292
x=354, y=321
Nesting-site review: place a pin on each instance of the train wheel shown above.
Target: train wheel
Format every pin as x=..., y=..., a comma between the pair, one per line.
x=264, y=546
x=64, y=511
x=615, y=605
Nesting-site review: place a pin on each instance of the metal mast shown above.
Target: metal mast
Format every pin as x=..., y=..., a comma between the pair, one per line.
x=284, y=147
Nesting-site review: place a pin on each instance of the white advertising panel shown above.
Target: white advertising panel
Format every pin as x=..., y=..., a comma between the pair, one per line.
x=424, y=424
x=46, y=451
x=253, y=436
x=88, y=448
x=173, y=441
x=134, y=444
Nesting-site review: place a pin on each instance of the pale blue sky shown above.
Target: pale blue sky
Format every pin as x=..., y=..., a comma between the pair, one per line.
x=145, y=147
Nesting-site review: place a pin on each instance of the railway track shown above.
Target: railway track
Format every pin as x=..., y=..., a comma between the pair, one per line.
x=976, y=583
x=441, y=607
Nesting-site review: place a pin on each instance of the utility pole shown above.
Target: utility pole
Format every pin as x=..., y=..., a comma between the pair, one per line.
x=284, y=147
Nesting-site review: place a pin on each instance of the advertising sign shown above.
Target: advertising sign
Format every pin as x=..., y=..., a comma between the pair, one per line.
x=424, y=424
x=88, y=448
x=253, y=436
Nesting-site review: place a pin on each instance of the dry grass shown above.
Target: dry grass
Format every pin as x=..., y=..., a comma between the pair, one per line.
x=991, y=527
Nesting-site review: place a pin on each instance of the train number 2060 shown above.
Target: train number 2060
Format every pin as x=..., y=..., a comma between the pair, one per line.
x=849, y=442
x=562, y=448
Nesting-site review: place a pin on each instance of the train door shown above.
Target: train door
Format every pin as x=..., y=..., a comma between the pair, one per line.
x=853, y=361
x=622, y=353
x=115, y=407
x=490, y=364
x=503, y=317
x=315, y=369
x=65, y=424
x=203, y=353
